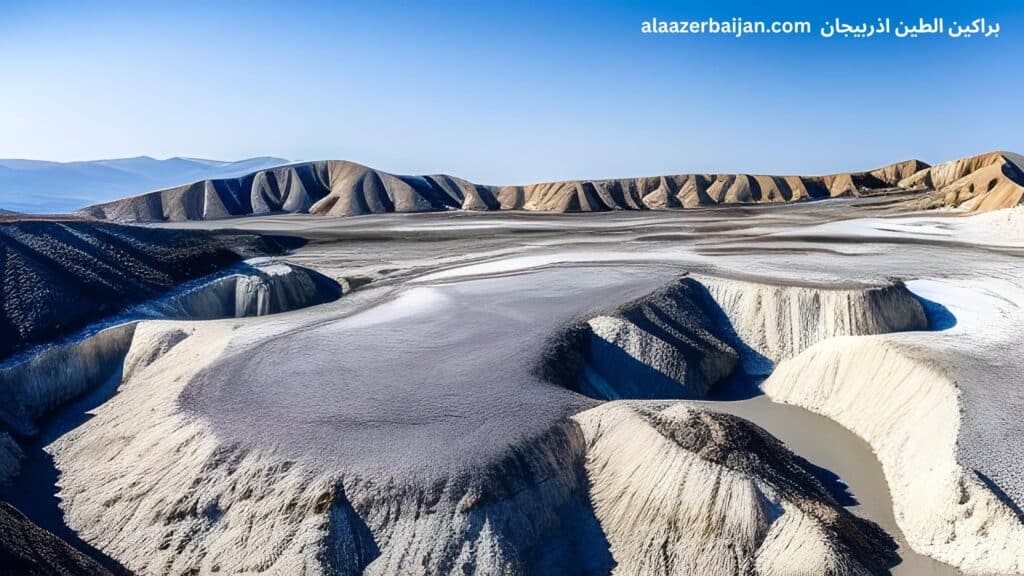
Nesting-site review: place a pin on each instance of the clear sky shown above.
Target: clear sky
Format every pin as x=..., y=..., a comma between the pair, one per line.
x=504, y=92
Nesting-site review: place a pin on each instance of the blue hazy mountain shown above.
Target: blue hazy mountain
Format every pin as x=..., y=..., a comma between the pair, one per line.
x=36, y=186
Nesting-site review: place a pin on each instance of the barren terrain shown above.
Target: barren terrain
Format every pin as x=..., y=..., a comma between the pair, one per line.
x=823, y=387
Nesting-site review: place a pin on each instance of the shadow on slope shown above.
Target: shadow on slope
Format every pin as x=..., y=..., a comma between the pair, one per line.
x=35, y=491
x=49, y=392
x=939, y=317
x=60, y=275
x=1001, y=495
x=661, y=346
x=662, y=343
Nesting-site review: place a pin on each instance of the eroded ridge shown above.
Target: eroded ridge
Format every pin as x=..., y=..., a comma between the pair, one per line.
x=39, y=381
x=663, y=345
x=680, y=490
x=770, y=322
x=340, y=188
x=834, y=358
x=547, y=500
x=191, y=502
x=59, y=274
x=554, y=502
x=908, y=409
x=685, y=339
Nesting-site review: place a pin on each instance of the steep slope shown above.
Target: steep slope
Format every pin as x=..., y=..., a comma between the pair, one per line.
x=772, y=322
x=35, y=384
x=559, y=499
x=939, y=409
x=681, y=490
x=28, y=550
x=980, y=183
x=39, y=390
x=339, y=188
x=687, y=337
x=55, y=276
x=663, y=345
x=37, y=186
x=908, y=410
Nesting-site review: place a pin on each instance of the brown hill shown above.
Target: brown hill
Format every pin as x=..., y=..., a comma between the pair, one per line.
x=339, y=188
x=985, y=182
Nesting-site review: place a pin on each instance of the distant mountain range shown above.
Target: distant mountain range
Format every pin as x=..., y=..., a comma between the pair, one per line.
x=339, y=188
x=36, y=186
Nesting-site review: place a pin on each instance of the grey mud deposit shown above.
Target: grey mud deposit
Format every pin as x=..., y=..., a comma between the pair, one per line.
x=428, y=368
x=439, y=378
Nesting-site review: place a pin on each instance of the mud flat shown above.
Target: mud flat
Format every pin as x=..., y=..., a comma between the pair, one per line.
x=436, y=377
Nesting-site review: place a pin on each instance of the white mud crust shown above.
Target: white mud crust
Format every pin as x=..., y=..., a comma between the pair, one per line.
x=775, y=321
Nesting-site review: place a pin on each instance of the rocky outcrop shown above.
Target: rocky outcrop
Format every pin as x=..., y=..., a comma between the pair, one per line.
x=339, y=188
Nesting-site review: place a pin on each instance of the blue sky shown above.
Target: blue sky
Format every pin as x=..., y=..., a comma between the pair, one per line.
x=502, y=92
